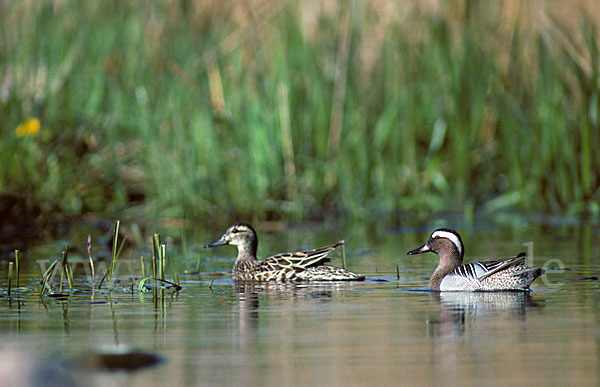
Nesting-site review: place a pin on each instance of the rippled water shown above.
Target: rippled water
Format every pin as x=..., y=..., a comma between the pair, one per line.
x=386, y=330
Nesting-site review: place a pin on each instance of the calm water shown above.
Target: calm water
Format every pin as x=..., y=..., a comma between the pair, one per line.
x=384, y=331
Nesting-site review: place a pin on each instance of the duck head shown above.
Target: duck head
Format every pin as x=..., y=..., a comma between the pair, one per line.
x=443, y=242
x=447, y=244
x=241, y=235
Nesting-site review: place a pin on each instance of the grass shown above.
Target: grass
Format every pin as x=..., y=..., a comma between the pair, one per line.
x=10, y=276
x=46, y=276
x=114, y=254
x=89, y=250
x=273, y=112
x=66, y=270
x=159, y=264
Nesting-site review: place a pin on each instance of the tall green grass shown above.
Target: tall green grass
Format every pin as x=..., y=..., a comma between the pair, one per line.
x=276, y=111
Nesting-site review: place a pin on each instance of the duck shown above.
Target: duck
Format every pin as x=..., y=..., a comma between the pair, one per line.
x=451, y=275
x=306, y=265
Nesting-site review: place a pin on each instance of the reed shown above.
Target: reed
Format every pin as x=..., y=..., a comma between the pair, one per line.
x=10, y=275
x=66, y=270
x=156, y=259
x=89, y=249
x=114, y=255
x=159, y=263
x=163, y=260
x=450, y=107
x=62, y=272
x=143, y=266
x=46, y=278
x=17, y=268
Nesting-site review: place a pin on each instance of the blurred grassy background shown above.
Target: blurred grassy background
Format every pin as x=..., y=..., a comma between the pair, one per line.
x=298, y=110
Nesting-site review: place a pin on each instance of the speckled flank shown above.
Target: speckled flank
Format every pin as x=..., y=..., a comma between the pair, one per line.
x=513, y=275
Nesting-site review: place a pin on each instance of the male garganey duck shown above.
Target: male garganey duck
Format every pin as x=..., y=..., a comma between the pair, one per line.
x=451, y=274
x=300, y=266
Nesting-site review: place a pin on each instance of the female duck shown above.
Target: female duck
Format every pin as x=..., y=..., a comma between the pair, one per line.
x=300, y=266
x=451, y=274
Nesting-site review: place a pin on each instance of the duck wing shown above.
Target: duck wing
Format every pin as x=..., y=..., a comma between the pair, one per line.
x=302, y=260
x=493, y=267
x=306, y=265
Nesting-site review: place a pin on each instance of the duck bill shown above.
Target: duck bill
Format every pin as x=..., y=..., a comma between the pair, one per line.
x=420, y=250
x=219, y=242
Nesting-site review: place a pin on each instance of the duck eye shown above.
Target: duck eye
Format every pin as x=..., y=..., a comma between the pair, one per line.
x=235, y=231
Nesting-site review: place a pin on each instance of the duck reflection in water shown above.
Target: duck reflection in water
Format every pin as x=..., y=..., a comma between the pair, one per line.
x=460, y=310
x=252, y=295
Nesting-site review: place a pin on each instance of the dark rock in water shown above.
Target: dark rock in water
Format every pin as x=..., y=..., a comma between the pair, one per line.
x=116, y=361
x=592, y=278
x=378, y=280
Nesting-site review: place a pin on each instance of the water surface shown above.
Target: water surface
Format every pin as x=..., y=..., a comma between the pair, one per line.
x=386, y=330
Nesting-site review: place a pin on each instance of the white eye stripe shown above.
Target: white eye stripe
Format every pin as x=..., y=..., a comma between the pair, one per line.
x=450, y=236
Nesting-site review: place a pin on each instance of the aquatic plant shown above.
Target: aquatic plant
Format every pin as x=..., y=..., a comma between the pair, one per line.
x=89, y=250
x=10, y=274
x=66, y=270
x=289, y=112
x=115, y=253
x=159, y=262
x=46, y=278
x=17, y=268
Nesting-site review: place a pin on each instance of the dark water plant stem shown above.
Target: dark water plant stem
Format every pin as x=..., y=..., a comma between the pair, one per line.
x=163, y=260
x=10, y=274
x=46, y=277
x=114, y=255
x=17, y=268
x=156, y=256
x=89, y=249
x=66, y=269
x=143, y=266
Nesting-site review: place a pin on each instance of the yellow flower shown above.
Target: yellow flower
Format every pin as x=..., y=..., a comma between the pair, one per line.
x=30, y=127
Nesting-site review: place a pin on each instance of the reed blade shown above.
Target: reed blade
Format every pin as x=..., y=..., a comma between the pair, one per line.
x=10, y=274
x=17, y=270
x=143, y=266
x=46, y=277
x=114, y=252
x=89, y=249
x=163, y=259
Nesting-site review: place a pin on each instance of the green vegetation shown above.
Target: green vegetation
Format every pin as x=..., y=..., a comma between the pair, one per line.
x=115, y=253
x=159, y=261
x=66, y=269
x=284, y=111
x=46, y=277
x=10, y=274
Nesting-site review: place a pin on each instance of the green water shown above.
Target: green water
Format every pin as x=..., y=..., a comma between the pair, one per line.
x=384, y=331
